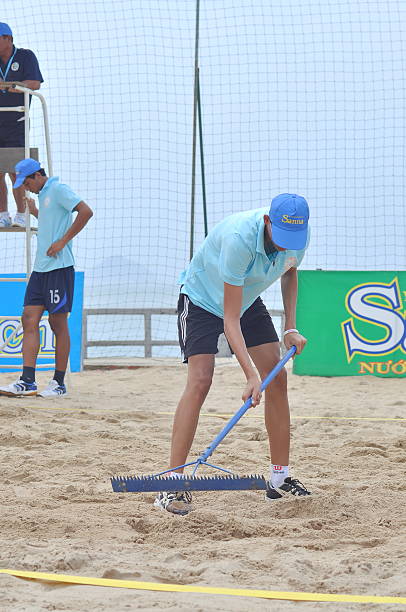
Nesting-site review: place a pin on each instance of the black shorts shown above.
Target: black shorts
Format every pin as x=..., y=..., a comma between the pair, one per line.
x=12, y=135
x=53, y=290
x=199, y=330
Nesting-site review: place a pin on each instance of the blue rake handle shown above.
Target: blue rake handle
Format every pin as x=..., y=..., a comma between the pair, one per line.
x=210, y=449
x=234, y=420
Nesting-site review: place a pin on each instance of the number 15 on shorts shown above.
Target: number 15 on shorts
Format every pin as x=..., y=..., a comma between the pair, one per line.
x=54, y=296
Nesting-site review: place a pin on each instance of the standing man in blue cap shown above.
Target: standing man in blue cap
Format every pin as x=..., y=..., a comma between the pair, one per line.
x=52, y=281
x=16, y=65
x=240, y=258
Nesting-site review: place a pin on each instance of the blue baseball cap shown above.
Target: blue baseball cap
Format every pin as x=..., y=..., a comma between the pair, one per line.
x=24, y=168
x=5, y=30
x=289, y=214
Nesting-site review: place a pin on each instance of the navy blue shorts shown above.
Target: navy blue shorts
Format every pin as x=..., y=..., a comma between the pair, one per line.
x=199, y=330
x=53, y=290
x=12, y=135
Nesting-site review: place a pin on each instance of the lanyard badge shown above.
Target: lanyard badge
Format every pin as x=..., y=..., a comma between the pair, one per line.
x=5, y=73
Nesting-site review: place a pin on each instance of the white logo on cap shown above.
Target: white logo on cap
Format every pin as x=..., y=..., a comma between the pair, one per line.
x=15, y=66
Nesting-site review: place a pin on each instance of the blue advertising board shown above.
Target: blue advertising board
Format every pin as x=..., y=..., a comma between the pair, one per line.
x=12, y=290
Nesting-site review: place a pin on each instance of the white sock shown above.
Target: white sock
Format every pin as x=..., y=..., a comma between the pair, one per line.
x=277, y=474
x=4, y=215
x=175, y=475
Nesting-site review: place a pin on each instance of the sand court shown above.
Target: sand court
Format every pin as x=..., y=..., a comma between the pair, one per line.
x=59, y=514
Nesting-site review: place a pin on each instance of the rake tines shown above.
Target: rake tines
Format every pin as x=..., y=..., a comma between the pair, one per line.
x=147, y=484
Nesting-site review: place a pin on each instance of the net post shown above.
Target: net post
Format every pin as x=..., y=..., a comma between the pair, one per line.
x=199, y=111
x=195, y=90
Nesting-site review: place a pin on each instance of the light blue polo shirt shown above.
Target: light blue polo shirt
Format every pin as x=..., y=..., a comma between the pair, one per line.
x=56, y=202
x=233, y=252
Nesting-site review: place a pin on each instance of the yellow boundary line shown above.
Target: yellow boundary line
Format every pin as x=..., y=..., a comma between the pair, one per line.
x=327, y=418
x=181, y=588
x=208, y=414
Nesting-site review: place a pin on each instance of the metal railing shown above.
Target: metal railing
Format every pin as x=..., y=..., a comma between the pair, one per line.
x=147, y=342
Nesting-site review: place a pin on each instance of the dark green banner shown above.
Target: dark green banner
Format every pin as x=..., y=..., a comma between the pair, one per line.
x=355, y=323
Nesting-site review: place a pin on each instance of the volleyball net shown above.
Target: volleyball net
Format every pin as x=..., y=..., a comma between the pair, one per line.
x=304, y=96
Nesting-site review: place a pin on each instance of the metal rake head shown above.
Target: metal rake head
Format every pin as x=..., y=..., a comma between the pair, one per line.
x=146, y=484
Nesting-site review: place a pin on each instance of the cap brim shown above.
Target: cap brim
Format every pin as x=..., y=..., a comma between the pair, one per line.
x=19, y=181
x=288, y=239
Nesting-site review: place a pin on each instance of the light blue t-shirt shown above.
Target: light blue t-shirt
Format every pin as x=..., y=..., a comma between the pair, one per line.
x=234, y=253
x=56, y=202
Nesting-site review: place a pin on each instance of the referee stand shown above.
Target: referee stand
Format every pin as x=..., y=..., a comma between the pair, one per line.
x=9, y=157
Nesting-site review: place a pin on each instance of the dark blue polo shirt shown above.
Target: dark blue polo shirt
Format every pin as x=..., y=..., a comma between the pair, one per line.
x=23, y=67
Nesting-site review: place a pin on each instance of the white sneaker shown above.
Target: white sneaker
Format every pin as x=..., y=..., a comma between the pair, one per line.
x=289, y=486
x=19, y=387
x=19, y=220
x=54, y=389
x=177, y=502
x=5, y=221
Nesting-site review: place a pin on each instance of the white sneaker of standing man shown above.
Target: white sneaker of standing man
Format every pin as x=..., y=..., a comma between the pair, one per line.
x=5, y=219
x=19, y=220
x=53, y=389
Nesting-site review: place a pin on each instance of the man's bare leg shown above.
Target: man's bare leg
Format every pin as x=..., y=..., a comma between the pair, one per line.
x=3, y=193
x=277, y=416
x=277, y=421
x=31, y=318
x=18, y=194
x=59, y=325
x=200, y=374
